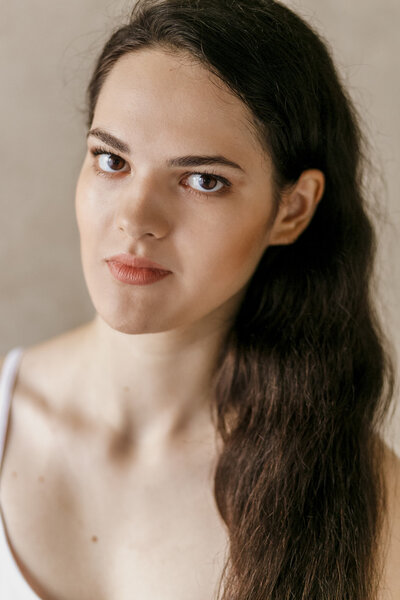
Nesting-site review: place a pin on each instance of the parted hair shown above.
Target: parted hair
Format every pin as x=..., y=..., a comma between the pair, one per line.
x=303, y=379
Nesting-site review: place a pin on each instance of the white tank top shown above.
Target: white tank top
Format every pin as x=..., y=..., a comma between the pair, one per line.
x=13, y=585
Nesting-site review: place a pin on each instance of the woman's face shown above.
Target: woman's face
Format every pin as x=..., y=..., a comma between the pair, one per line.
x=136, y=195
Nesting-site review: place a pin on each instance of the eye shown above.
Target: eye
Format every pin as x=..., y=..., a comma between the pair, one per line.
x=110, y=162
x=207, y=182
x=107, y=161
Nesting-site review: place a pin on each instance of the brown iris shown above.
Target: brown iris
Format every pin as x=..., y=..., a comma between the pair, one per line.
x=114, y=162
x=206, y=180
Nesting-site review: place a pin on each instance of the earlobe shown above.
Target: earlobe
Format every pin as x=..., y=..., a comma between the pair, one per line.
x=298, y=205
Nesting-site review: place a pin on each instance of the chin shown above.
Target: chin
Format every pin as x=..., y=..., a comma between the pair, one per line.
x=125, y=315
x=133, y=322
x=131, y=325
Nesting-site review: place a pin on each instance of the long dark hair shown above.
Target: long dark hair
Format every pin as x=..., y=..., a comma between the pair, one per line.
x=303, y=381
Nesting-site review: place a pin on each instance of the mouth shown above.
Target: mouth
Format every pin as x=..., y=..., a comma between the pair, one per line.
x=138, y=262
x=135, y=270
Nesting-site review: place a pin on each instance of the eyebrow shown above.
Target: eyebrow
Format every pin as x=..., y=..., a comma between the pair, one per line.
x=189, y=160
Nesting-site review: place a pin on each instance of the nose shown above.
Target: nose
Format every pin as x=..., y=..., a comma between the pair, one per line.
x=141, y=210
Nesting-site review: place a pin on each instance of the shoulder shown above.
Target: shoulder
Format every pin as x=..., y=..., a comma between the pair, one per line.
x=391, y=532
x=391, y=468
x=40, y=405
x=47, y=369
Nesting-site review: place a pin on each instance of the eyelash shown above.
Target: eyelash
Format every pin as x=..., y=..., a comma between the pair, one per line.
x=211, y=173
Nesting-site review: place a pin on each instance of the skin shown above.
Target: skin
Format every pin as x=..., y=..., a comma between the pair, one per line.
x=114, y=415
x=211, y=243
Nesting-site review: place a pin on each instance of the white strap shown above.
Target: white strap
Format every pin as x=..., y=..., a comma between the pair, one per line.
x=7, y=381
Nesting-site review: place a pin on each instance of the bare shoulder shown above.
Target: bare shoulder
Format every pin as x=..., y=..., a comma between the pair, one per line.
x=391, y=464
x=44, y=383
x=46, y=368
x=391, y=533
x=391, y=472
x=47, y=377
x=44, y=378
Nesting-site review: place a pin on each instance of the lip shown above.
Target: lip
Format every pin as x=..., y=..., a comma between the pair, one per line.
x=138, y=262
x=135, y=270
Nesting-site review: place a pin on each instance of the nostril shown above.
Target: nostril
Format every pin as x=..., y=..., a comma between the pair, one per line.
x=137, y=234
x=145, y=220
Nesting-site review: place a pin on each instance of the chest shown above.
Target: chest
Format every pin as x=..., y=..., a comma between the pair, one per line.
x=81, y=530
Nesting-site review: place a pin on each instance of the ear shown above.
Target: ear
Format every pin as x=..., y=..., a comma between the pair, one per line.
x=297, y=207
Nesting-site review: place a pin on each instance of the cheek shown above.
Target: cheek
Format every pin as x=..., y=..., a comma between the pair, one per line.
x=81, y=204
x=229, y=255
x=90, y=211
x=247, y=248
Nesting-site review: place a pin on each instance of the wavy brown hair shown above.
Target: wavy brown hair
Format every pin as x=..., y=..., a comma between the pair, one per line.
x=303, y=380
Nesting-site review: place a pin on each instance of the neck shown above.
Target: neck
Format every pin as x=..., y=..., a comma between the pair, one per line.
x=158, y=385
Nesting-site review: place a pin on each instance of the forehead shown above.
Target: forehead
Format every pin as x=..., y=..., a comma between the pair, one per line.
x=169, y=96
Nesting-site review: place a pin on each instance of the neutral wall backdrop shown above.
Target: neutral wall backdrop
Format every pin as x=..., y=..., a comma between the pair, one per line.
x=47, y=49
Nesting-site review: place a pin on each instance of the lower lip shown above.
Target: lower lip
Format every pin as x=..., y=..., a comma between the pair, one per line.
x=135, y=276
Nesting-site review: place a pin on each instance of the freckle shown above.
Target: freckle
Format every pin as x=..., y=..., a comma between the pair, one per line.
x=41, y=479
x=14, y=474
x=95, y=538
x=126, y=388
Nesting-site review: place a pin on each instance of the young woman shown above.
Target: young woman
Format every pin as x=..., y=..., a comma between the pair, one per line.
x=213, y=432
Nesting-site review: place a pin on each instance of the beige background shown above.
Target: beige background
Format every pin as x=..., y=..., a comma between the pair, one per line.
x=47, y=48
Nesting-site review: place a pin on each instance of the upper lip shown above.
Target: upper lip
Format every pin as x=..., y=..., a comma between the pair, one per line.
x=139, y=262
